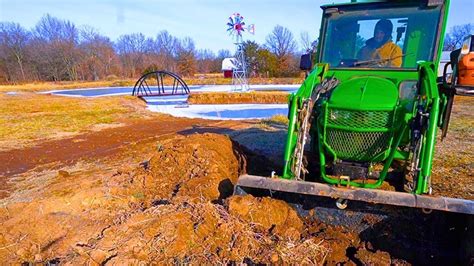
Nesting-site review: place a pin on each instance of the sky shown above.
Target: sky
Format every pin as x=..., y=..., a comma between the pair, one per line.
x=202, y=20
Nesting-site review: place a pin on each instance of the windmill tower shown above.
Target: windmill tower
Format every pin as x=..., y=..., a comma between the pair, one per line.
x=236, y=26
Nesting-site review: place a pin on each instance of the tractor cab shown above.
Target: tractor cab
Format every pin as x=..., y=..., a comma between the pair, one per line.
x=381, y=39
x=381, y=35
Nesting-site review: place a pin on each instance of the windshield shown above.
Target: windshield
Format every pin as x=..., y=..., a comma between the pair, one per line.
x=383, y=38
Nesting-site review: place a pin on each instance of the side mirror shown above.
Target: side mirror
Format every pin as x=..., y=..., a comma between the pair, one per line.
x=306, y=63
x=449, y=79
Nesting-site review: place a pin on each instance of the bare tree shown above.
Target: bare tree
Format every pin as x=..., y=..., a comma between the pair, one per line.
x=281, y=41
x=205, y=61
x=166, y=43
x=305, y=42
x=55, y=49
x=132, y=49
x=456, y=35
x=13, y=50
x=223, y=53
x=308, y=44
x=99, y=59
x=166, y=47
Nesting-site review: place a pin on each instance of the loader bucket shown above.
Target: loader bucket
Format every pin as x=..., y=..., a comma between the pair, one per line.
x=390, y=220
x=315, y=192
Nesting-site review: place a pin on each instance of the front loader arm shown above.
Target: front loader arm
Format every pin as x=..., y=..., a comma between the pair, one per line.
x=295, y=103
x=430, y=96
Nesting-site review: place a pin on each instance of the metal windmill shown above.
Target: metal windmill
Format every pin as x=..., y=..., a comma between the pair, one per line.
x=236, y=26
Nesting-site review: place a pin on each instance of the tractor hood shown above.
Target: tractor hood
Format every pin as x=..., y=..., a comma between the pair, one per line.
x=365, y=93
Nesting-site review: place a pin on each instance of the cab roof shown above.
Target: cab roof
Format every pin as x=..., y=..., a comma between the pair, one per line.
x=398, y=2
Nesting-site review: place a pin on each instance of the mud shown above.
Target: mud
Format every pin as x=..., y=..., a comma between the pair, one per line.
x=95, y=144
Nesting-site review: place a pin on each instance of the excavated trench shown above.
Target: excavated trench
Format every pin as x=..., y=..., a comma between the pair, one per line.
x=177, y=207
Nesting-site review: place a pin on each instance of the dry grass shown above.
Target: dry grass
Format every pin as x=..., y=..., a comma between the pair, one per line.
x=277, y=119
x=45, y=86
x=453, y=164
x=29, y=117
x=197, y=79
x=238, y=97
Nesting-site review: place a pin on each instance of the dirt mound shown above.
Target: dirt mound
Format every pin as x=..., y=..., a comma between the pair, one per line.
x=196, y=168
x=168, y=209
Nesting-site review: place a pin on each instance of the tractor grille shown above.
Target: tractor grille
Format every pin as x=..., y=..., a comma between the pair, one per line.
x=360, y=119
x=370, y=139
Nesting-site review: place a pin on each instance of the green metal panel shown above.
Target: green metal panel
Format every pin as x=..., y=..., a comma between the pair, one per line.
x=365, y=93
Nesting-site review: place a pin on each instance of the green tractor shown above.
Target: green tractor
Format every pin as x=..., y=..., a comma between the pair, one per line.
x=371, y=103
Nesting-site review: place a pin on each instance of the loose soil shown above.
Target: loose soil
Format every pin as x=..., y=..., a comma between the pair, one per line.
x=174, y=208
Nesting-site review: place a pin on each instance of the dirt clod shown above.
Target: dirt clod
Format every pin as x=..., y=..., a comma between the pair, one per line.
x=373, y=258
x=62, y=173
x=270, y=215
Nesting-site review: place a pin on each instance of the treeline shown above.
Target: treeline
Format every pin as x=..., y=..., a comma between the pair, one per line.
x=456, y=35
x=58, y=50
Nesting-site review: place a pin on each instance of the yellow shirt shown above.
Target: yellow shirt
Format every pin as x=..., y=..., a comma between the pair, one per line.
x=387, y=51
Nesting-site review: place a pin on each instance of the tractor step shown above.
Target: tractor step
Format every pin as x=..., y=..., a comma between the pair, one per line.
x=272, y=185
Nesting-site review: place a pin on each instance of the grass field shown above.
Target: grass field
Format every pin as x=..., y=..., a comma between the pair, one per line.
x=45, y=86
x=27, y=118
